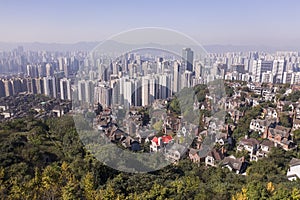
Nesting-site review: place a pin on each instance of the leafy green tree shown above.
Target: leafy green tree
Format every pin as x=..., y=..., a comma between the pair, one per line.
x=296, y=136
x=158, y=125
x=294, y=96
x=71, y=190
x=285, y=120
x=295, y=194
x=3, y=189
x=175, y=106
x=257, y=190
x=242, y=128
x=201, y=91
x=286, y=108
x=17, y=190
x=229, y=91
x=50, y=181
x=108, y=193
x=88, y=182
x=33, y=186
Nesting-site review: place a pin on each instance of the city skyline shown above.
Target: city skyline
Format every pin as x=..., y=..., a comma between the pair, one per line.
x=271, y=23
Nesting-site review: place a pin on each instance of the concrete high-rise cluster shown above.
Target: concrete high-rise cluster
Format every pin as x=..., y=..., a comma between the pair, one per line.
x=140, y=91
x=280, y=67
x=46, y=85
x=137, y=80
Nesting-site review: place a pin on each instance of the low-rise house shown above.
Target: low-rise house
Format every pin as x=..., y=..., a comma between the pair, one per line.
x=268, y=94
x=297, y=111
x=132, y=126
x=280, y=136
x=255, y=102
x=265, y=148
x=293, y=172
x=296, y=124
x=6, y=114
x=57, y=111
x=269, y=97
x=237, y=165
x=287, y=144
x=142, y=135
x=281, y=104
x=158, y=143
x=260, y=125
x=232, y=104
x=257, y=90
x=102, y=125
x=3, y=108
x=215, y=124
x=249, y=144
x=271, y=113
x=116, y=134
x=222, y=138
x=267, y=91
x=130, y=143
x=235, y=115
x=214, y=157
x=173, y=123
x=194, y=156
x=175, y=152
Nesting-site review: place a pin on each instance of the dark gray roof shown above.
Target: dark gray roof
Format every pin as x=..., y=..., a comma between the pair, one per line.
x=294, y=162
x=234, y=163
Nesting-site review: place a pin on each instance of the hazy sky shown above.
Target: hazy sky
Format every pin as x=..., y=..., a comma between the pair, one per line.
x=237, y=22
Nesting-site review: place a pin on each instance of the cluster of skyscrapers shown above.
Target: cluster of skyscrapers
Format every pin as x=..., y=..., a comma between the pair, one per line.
x=50, y=86
x=135, y=79
x=281, y=67
x=48, y=73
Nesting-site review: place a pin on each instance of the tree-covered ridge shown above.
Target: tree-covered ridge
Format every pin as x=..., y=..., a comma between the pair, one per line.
x=41, y=159
x=46, y=160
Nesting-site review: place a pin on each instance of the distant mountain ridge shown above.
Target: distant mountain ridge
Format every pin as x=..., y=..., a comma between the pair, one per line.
x=88, y=46
x=39, y=46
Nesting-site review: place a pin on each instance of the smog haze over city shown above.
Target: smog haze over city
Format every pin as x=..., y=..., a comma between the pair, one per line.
x=255, y=23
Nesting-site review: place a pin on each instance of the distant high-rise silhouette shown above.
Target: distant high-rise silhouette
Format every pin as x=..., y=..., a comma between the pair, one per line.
x=188, y=58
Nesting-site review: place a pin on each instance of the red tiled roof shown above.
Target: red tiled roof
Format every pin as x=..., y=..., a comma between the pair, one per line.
x=165, y=139
x=155, y=139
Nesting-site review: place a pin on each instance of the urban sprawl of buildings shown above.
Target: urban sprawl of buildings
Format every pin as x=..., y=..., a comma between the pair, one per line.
x=53, y=73
x=134, y=80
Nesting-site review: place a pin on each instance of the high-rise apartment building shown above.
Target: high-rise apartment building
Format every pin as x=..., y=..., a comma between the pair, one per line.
x=279, y=67
x=50, y=86
x=260, y=66
x=65, y=89
x=187, y=59
x=176, y=77
x=103, y=95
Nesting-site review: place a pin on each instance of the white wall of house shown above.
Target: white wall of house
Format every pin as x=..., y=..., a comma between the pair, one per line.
x=265, y=148
x=294, y=170
x=209, y=161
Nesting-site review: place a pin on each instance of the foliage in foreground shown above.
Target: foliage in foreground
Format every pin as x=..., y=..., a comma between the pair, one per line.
x=46, y=160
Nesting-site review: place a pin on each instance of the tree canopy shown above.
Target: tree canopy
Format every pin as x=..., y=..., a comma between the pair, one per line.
x=46, y=160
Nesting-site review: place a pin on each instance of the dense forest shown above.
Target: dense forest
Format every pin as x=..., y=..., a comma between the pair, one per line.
x=46, y=160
